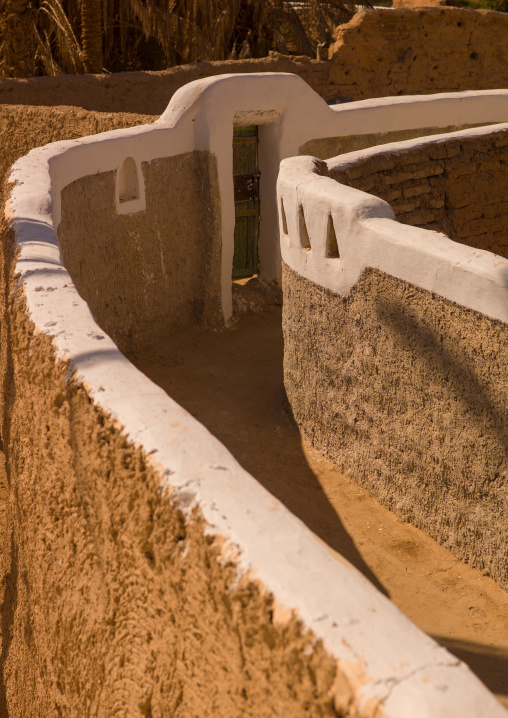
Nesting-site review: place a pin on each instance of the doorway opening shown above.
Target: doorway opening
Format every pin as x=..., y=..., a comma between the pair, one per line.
x=246, y=191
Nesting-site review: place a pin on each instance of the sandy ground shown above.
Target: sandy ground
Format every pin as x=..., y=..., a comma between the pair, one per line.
x=232, y=382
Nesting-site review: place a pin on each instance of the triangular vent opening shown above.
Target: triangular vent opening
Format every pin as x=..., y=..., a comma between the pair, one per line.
x=332, y=248
x=304, y=235
x=284, y=220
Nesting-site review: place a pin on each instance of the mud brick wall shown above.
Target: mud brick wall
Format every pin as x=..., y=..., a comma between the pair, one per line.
x=458, y=186
x=403, y=52
x=118, y=603
x=327, y=147
x=150, y=92
x=406, y=392
x=167, y=258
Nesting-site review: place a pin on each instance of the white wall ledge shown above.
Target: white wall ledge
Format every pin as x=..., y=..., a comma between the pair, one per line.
x=368, y=236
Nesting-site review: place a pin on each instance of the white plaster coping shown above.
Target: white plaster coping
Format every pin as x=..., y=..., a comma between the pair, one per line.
x=389, y=663
x=216, y=103
x=349, y=159
x=368, y=235
x=201, y=116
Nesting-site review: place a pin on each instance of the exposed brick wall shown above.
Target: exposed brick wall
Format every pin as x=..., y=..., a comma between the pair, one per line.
x=458, y=186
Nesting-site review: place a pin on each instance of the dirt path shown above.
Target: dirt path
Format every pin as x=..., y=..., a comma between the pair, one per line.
x=232, y=382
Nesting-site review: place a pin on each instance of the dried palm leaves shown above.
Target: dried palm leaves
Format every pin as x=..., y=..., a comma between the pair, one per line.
x=224, y=29
x=17, y=42
x=71, y=36
x=56, y=39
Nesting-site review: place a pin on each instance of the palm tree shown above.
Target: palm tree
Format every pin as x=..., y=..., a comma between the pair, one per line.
x=91, y=35
x=224, y=29
x=17, y=43
x=68, y=36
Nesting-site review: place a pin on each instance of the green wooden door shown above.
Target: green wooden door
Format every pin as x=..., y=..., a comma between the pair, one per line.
x=246, y=183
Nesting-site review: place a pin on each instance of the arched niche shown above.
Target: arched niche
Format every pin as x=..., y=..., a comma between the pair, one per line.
x=130, y=195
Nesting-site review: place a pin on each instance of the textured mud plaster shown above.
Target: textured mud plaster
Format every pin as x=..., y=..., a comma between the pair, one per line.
x=123, y=606
x=394, y=51
x=150, y=92
x=97, y=539
x=456, y=185
x=167, y=258
x=407, y=393
x=22, y=128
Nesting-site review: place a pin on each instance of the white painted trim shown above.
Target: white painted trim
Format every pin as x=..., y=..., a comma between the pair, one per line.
x=201, y=116
x=387, y=660
x=369, y=236
x=349, y=159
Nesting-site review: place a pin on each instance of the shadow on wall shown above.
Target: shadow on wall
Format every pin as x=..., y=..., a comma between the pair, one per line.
x=458, y=361
x=451, y=367
x=488, y=662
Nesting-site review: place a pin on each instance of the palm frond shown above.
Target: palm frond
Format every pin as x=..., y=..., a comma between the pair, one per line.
x=66, y=42
x=162, y=32
x=51, y=67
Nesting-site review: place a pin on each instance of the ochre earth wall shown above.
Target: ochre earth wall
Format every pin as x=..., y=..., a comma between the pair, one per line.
x=117, y=603
x=23, y=128
x=416, y=52
x=458, y=186
x=380, y=53
x=150, y=92
x=407, y=393
x=167, y=258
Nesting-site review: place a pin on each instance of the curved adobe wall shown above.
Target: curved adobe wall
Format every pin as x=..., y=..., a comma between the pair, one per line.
x=396, y=357
x=22, y=129
x=152, y=575
x=406, y=392
x=201, y=117
x=456, y=185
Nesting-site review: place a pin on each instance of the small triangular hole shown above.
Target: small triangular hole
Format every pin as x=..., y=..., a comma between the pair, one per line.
x=304, y=235
x=332, y=248
x=284, y=220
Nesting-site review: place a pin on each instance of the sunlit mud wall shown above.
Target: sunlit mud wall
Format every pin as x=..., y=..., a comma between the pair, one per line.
x=120, y=599
x=24, y=127
x=167, y=257
x=93, y=554
x=407, y=393
x=393, y=51
x=118, y=603
x=458, y=186
x=115, y=602
x=329, y=147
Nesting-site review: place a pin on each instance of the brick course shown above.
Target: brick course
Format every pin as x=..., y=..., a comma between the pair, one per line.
x=458, y=186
